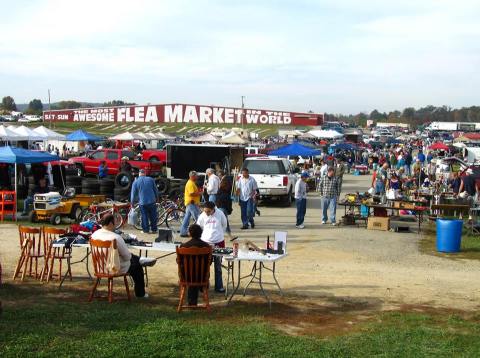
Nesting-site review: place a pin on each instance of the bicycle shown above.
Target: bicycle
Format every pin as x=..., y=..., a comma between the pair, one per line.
x=164, y=207
x=96, y=211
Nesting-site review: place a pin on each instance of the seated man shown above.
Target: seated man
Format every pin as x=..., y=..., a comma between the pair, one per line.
x=195, y=232
x=128, y=262
x=214, y=223
x=41, y=188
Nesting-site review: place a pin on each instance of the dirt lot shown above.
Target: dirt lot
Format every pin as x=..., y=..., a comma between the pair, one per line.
x=336, y=269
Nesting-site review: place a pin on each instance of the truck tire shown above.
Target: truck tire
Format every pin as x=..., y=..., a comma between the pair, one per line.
x=89, y=183
x=78, y=189
x=33, y=217
x=287, y=199
x=124, y=180
x=163, y=186
x=73, y=180
x=153, y=159
x=107, y=184
x=80, y=170
x=76, y=212
x=71, y=171
x=120, y=194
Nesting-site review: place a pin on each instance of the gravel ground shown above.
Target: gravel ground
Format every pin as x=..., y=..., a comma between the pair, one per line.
x=381, y=270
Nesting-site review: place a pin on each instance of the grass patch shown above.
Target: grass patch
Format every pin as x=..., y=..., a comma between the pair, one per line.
x=470, y=248
x=37, y=320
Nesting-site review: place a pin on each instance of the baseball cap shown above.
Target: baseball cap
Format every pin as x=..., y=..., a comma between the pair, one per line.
x=142, y=171
x=304, y=175
x=125, y=158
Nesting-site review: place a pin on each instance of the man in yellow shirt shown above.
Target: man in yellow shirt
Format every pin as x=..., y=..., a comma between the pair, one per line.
x=192, y=200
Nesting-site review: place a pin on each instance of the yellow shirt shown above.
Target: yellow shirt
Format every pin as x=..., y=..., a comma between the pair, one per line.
x=190, y=190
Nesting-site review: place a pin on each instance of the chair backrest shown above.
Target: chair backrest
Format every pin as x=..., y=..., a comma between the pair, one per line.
x=194, y=265
x=50, y=234
x=280, y=236
x=34, y=236
x=100, y=252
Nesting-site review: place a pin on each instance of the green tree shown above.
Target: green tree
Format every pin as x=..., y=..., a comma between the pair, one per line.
x=35, y=107
x=408, y=113
x=68, y=105
x=8, y=104
x=377, y=116
x=117, y=102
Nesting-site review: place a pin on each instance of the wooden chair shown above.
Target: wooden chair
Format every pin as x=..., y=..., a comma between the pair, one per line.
x=32, y=249
x=194, y=271
x=100, y=252
x=53, y=254
x=8, y=204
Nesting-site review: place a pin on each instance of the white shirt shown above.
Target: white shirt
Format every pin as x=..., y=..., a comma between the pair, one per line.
x=300, y=189
x=213, y=226
x=323, y=170
x=213, y=184
x=247, y=187
x=123, y=252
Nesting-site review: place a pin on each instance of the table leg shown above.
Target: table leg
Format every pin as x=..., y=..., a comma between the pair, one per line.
x=238, y=282
x=230, y=267
x=68, y=272
x=253, y=274
x=261, y=284
x=276, y=281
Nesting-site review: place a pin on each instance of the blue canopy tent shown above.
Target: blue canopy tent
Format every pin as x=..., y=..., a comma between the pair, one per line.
x=81, y=135
x=295, y=149
x=14, y=155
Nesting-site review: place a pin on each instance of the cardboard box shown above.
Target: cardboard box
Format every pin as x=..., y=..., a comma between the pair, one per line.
x=378, y=223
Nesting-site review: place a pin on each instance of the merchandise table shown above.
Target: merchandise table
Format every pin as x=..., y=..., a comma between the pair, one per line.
x=255, y=275
x=417, y=211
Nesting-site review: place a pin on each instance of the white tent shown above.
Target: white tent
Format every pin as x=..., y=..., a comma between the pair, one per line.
x=232, y=138
x=328, y=134
x=142, y=135
x=128, y=136
x=161, y=135
x=7, y=134
x=48, y=133
x=206, y=138
x=28, y=133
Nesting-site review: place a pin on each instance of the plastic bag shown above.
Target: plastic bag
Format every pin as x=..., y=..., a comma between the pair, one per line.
x=132, y=217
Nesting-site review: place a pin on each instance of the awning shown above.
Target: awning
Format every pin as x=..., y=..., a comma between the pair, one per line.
x=81, y=135
x=295, y=149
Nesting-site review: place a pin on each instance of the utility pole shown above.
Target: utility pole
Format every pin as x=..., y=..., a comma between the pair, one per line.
x=49, y=108
x=243, y=110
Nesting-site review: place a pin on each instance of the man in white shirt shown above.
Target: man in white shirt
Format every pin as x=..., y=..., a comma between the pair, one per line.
x=128, y=262
x=212, y=185
x=246, y=191
x=301, y=200
x=214, y=223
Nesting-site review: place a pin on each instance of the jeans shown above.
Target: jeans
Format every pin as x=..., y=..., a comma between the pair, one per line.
x=217, y=266
x=329, y=204
x=301, y=210
x=136, y=273
x=223, y=210
x=247, y=209
x=149, y=217
x=191, y=211
x=407, y=169
x=212, y=198
x=379, y=187
x=26, y=203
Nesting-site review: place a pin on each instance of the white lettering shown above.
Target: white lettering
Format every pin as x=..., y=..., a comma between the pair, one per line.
x=205, y=115
x=252, y=118
x=229, y=115
x=121, y=114
x=239, y=115
x=287, y=120
x=217, y=115
x=151, y=115
x=173, y=114
x=139, y=114
x=190, y=115
x=263, y=119
x=128, y=115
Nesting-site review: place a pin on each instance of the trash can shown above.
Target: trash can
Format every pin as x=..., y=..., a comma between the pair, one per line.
x=449, y=235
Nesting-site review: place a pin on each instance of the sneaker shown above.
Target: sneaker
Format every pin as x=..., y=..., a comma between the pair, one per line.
x=147, y=261
x=334, y=224
x=153, y=232
x=220, y=290
x=144, y=297
x=244, y=227
x=324, y=222
x=145, y=232
x=300, y=226
x=184, y=235
x=252, y=225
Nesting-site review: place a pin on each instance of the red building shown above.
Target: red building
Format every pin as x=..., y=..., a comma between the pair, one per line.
x=184, y=113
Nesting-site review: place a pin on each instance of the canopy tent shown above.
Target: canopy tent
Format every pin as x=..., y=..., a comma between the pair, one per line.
x=7, y=134
x=205, y=138
x=48, y=133
x=295, y=149
x=461, y=139
x=28, y=133
x=14, y=155
x=307, y=136
x=439, y=146
x=126, y=136
x=327, y=134
x=142, y=135
x=148, y=135
x=232, y=138
x=161, y=135
x=81, y=135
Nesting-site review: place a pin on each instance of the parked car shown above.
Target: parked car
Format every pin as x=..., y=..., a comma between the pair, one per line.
x=275, y=177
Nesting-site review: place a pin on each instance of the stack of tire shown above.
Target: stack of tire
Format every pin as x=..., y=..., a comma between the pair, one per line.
x=107, y=186
x=74, y=181
x=90, y=186
x=122, y=186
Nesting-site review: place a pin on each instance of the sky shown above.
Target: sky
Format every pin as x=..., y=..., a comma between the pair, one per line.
x=334, y=56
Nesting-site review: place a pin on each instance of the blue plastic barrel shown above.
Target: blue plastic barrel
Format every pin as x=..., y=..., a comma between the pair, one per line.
x=449, y=235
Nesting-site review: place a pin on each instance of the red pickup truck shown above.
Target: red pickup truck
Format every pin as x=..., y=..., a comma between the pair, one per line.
x=89, y=163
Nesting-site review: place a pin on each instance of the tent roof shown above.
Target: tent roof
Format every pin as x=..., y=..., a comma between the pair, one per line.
x=204, y=138
x=295, y=149
x=232, y=138
x=325, y=133
x=48, y=133
x=28, y=133
x=80, y=135
x=10, y=154
x=8, y=134
x=439, y=146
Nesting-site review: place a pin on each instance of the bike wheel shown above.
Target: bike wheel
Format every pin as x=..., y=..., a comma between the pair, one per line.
x=118, y=219
x=174, y=219
x=89, y=216
x=138, y=222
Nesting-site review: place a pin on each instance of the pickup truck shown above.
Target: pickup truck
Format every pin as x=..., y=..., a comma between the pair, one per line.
x=89, y=163
x=275, y=177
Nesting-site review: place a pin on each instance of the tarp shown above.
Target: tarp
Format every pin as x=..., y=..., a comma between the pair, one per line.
x=12, y=155
x=28, y=133
x=329, y=134
x=439, y=146
x=127, y=136
x=81, y=135
x=48, y=133
x=295, y=149
x=7, y=134
x=232, y=138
